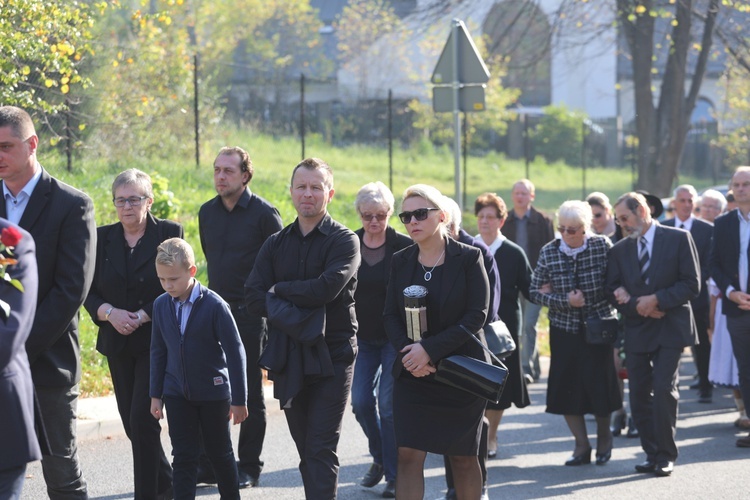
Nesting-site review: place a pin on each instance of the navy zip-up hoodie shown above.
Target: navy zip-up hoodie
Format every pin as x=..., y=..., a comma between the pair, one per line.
x=200, y=364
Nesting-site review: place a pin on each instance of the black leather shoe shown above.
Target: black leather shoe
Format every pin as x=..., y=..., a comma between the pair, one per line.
x=373, y=476
x=706, y=395
x=695, y=385
x=664, y=469
x=603, y=458
x=647, y=466
x=247, y=480
x=582, y=459
x=390, y=489
x=618, y=423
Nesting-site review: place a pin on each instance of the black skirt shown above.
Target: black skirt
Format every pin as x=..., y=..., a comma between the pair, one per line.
x=433, y=417
x=582, y=378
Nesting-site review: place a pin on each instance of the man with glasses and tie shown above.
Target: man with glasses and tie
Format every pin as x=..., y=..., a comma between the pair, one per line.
x=686, y=197
x=652, y=275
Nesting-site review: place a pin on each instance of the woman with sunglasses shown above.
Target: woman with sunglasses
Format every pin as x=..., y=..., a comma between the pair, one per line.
x=429, y=416
x=372, y=370
x=569, y=280
x=120, y=302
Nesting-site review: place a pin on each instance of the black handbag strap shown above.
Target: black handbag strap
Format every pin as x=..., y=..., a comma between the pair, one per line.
x=480, y=343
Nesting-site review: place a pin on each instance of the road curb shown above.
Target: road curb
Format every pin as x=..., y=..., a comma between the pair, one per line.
x=98, y=417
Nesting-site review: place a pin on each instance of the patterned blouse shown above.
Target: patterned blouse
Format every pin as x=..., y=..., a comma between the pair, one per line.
x=586, y=272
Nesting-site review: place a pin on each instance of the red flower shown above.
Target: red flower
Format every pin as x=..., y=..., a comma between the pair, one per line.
x=10, y=236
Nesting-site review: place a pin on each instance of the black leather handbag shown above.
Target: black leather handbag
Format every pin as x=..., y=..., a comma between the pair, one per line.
x=482, y=379
x=499, y=339
x=599, y=331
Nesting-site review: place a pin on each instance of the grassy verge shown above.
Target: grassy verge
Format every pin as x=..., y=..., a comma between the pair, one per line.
x=353, y=166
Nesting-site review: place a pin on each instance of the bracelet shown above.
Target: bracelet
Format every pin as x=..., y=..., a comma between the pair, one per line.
x=107, y=313
x=139, y=317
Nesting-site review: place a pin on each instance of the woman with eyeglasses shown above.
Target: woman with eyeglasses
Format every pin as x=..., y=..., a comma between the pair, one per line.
x=372, y=385
x=569, y=280
x=430, y=416
x=120, y=301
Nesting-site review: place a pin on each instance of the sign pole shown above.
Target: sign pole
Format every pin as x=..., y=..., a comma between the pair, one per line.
x=456, y=117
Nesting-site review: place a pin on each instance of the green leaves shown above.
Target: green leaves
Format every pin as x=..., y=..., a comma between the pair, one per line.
x=41, y=50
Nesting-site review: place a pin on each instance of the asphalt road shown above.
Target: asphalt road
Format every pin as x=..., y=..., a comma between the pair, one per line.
x=533, y=447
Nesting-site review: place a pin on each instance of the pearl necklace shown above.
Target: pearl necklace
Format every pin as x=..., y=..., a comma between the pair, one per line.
x=428, y=274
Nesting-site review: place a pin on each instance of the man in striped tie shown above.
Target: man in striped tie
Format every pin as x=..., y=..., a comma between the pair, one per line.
x=652, y=275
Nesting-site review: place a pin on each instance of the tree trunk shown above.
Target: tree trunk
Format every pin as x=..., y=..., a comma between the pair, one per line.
x=662, y=131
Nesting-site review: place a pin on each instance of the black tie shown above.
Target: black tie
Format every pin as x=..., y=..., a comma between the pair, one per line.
x=643, y=260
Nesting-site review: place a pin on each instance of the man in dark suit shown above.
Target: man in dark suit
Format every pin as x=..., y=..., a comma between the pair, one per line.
x=685, y=197
x=531, y=230
x=652, y=275
x=729, y=269
x=61, y=221
x=233, y=226
x=17, y=434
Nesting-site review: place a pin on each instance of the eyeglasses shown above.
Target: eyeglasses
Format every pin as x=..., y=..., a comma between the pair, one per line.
x=570, y=230
x=623, y=219
x=133, y=201
x=419, y=214
x=371, y=217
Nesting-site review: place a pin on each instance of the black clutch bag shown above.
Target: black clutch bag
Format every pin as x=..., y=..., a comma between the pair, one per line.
x=499, y=340
x=484, y=380
x=600, y=331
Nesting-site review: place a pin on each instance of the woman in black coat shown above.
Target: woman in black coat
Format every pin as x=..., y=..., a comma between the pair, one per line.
x=515, y=276
x=430, y=416
x=120, y=303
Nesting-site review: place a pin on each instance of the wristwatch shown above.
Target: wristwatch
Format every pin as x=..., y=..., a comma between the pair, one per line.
x=107, y=313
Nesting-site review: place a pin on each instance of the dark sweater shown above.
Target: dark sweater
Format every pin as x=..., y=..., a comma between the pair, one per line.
x=204, y=364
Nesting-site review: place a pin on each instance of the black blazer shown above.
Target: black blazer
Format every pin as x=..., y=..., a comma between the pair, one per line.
x=61, y=220
x=17, y=435
x=539, y=229
x=515, y=276
x=673, y=275
x=110, y=282
x=725, y=257
x=464, y=300
x=702, y=233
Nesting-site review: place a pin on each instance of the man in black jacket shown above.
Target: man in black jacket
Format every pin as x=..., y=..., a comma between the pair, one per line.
x=61, y=221
x=531, y=230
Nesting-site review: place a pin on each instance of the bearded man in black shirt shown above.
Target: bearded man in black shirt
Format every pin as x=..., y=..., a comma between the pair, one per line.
x=233, y=226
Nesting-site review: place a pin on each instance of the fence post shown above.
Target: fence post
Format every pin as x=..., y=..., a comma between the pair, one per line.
x=466, y=155
x=302, y=111
x=68, y=138
x=583, y=159
x=526, y=144
x=390, y=139
x=196, y=112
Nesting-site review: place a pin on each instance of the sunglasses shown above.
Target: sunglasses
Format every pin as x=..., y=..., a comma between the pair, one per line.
x=570, y=230
x=420, y=214
x=371, y=217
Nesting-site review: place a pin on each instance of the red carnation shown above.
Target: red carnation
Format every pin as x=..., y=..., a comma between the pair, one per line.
x=10, y=236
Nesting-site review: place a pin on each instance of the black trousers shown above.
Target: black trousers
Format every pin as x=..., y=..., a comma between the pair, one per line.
x=652, y=379
x=739, y=332
x=314, y=421
x=130, y=378
x=253, y=430
x=702, y=350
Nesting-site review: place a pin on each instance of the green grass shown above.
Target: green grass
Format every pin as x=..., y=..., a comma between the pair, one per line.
x=353, y=166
